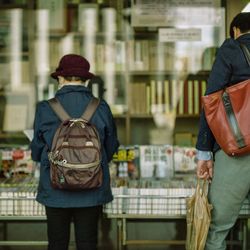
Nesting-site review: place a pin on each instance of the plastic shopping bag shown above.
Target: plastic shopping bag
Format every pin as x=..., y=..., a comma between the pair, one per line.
x=198, y=217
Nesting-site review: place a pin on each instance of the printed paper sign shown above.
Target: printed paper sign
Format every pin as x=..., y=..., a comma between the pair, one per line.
x=178, y=35
x=159, y=13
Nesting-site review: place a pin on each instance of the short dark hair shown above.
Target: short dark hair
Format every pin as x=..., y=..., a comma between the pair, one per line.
x=241, y=21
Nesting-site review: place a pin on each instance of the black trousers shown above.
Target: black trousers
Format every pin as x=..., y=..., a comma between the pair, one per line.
x=85, y=224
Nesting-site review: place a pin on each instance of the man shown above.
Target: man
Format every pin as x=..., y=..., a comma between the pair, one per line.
x=229, y=176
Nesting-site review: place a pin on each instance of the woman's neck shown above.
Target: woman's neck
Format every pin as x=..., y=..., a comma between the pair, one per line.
x=71, y=83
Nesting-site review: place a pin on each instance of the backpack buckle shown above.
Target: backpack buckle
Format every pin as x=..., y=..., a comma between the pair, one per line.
x=77, y=121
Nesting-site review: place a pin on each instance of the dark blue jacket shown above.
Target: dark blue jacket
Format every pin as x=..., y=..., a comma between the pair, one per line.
x=74, y=99
x=230, y=67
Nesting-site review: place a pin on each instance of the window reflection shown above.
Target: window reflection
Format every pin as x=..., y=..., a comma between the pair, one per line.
x=89, y=26
x=109, y=29
x=144, y=76
x=16, y=49
x=42, y=52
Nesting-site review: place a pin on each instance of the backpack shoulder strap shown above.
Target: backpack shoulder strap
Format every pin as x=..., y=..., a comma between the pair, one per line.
x=91, y=108
x=246, y=52
x=58, y=109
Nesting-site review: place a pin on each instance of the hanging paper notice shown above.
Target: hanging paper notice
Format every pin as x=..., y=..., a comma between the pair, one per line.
x=159, y=13
x=178, y=35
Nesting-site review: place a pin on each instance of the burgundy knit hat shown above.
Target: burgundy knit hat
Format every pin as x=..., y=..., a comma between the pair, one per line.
x=73, y=65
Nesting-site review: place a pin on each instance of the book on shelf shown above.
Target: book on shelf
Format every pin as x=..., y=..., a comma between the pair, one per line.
x=190, y=101
x=153, y=96
x=185, y=97
x=138, y=98
x=182, y=97
x=148, y=99
x=169, y=55
x=159, y=96
x=166, y=96
x=161, y=56
x=138, y=55
x=180, y=106
x=100, y=57
x=145, y=56
x=138, y=60
x=196, y=107
x=110, y=56
x=115, y=93
x=174, y=94
x=142, y=97
x=190, y=97
x=120, y=55
x=152, y=53
x=109, y=63
x=202, y=90
x=71, y=21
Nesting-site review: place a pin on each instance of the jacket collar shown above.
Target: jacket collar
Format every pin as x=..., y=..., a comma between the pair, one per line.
x=72, y=88
x=244, y=38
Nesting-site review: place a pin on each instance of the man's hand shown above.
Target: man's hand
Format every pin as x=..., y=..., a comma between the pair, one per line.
x=205, y=169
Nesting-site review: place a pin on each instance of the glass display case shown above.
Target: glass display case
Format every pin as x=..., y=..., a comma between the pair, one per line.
x=154, y=61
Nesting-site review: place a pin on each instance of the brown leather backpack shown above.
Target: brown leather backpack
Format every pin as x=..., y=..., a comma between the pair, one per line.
x=75, y=156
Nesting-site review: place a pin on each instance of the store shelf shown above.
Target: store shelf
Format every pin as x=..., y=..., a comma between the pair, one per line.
x=158, y=208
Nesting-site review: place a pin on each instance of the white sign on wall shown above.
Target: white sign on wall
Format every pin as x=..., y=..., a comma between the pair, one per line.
x=178, y=35
x=159, y=13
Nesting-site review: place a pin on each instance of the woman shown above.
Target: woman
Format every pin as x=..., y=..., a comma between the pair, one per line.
x=229, y=176
x=62, y=206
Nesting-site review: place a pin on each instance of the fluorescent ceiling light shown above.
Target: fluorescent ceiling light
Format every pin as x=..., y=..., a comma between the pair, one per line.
x=247, y=8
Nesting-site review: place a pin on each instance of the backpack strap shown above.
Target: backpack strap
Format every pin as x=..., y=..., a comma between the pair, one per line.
x=246, y=52
x=91, y=108
x=58, y=109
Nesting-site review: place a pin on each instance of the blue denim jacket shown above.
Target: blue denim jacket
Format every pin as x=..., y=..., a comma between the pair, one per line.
x=74, y=99
x=230, y=67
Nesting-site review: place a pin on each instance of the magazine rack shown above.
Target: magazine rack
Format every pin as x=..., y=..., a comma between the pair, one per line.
x=17, y=203
x=129, y=205
x=127, y=208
